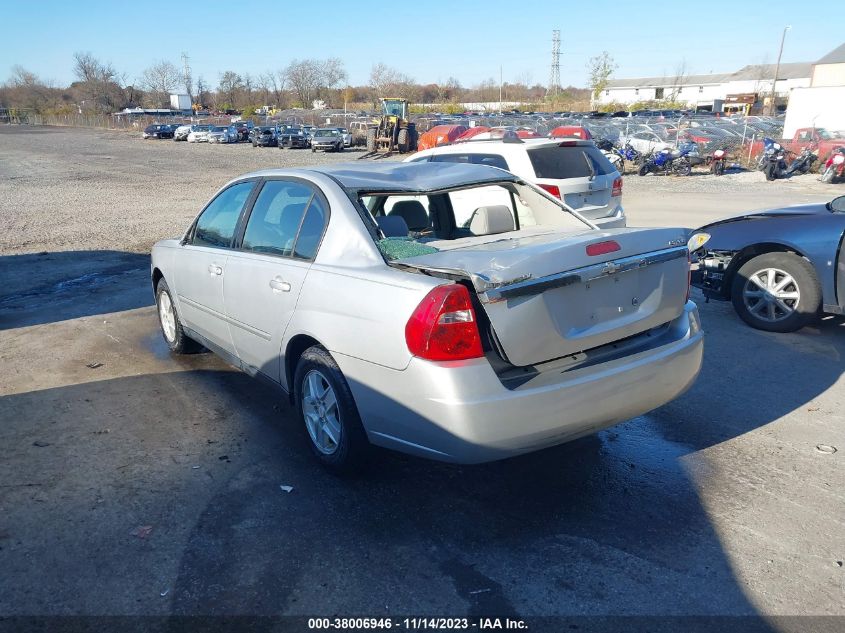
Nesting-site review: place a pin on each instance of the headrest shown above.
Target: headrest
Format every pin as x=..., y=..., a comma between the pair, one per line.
x=496, y=218
x=414, y=213
x=392, y=225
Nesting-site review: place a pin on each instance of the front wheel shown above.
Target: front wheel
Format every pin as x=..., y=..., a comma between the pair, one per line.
x=771, y=171
x=327, y=409
x=828, y=174
x=776, y=292
x=171, y=326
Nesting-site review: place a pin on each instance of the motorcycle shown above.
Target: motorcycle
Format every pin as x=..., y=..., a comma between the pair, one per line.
x=628, y=153
x=609, y=150
x=671, y=161
x=717, y=161
x=768, y=148
x=802, y=163
x=834, y=166
x=775, y=162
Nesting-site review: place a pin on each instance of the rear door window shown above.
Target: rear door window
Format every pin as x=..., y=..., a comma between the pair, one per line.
x=285, y=220
x=560, y=163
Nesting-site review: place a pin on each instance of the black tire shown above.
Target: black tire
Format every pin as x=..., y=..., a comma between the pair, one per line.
x=181, y=343
x=719, y=167
x=682, y=167
x=352, y=448
x=371, y=139
x=643, y=170
x=402, y=141
x=313, y=150
x=770, y=171
x=804, y=310
x=254, y=144
x=829, y=175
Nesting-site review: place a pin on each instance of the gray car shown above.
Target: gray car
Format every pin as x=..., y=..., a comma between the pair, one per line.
x=781, y=268
x=452, y=311
x=328, y=140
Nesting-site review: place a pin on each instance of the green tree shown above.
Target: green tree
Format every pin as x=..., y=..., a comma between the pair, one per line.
x=600, y=69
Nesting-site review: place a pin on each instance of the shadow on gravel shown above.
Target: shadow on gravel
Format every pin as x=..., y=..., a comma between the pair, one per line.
x=610, y=524
x=591, y=527
x=49, y=287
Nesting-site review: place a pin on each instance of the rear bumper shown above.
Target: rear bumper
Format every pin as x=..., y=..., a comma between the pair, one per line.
x=615, y=221
x=461, y=412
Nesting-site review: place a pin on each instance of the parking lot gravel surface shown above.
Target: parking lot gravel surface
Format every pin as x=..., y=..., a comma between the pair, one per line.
x=136, y=482
x=72, y=188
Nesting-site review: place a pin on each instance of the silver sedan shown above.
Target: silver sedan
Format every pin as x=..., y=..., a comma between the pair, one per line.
x=355, y=290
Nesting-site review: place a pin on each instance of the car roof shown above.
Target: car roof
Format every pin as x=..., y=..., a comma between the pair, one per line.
x=396, y=176
x=498, y=145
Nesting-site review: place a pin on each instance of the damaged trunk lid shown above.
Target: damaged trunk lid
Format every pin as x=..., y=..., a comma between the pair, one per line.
x=552, y=294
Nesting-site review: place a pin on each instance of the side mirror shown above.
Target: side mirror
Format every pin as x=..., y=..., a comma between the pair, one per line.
x=837, y=204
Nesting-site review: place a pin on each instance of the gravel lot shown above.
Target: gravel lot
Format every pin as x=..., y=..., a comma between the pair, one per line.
x=135, y=482
x=70, y=188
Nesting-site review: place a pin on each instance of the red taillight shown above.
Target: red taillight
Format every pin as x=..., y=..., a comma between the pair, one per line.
x=602, y=248
x=617, y=187
x=443, y=326
x=552, y=189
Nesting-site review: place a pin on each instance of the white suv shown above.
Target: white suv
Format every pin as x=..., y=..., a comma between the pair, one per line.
x=573, y=170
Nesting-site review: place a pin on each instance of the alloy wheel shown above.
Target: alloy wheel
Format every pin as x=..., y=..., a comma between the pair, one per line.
x=321, y=413
x=771, y=295
x=167, y=316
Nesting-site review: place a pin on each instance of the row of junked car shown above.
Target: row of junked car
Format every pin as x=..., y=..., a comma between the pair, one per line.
x=279, y=135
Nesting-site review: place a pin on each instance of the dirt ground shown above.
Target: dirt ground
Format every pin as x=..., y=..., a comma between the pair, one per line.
x=135, y=482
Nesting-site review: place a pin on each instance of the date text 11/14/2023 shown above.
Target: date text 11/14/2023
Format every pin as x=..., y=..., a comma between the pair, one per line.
x=415, y=623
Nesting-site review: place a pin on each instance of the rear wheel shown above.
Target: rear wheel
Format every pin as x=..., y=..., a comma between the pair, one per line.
x=643, y=170
x=682, y=167
x=327, y=409
x=776, y=292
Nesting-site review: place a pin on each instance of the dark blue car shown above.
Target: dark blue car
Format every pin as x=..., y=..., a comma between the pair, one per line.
x=781, y=268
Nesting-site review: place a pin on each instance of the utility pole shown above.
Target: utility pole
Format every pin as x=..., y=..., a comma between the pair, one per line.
x=554, y=73
x=772, y=109
x=500, y=89
x=188, y=78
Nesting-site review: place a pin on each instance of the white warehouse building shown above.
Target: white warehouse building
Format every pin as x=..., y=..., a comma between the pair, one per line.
x=717, y=92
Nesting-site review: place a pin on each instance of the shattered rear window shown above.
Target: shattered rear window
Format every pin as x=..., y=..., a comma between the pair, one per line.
x=401, y=247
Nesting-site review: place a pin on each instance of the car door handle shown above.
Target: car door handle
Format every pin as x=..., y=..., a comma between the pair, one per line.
x=214, y=269
x=279, y=285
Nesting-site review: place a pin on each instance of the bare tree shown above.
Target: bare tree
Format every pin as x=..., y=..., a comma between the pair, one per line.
x=305, y=78
x=160, y=80
x=202, y=92
x=228, y=88
x=386, y=81
x=679, y=80
x=97, y=82
x=600, y=68
x=333, y=74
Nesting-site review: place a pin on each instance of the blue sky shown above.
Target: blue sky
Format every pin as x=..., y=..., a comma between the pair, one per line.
x=431, y=41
